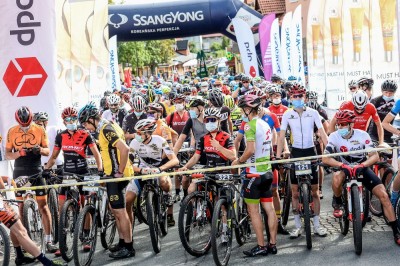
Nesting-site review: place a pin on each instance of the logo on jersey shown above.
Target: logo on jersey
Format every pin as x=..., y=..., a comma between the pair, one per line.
x=343, y=149
x=246, y=127
x=367, y=141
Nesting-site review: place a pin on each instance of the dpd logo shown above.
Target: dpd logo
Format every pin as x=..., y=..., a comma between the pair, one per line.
x=252, y=72
x=24, y=77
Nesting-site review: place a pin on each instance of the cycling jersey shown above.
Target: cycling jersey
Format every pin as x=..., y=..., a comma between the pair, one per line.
x=225, y=115
x=214, y=157
x=198, y=128
x=236, y=116
x=258, y=130
x=383, y=108
x=279, y=110
x=129, y=122
x=177, y=122
x=271, y=119
x=169, y=109
x=268, y=103
x=117, y=117
x=302, y=127
x=151, y=154
x=163, y=130
x=396, y=108
x=361, y=120
x=17, y=139
x=74, y=147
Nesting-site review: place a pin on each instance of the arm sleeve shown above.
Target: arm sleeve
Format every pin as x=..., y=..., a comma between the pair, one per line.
x=330, y=147
x=241, y=129
x=57, y=142
x=284, y=123
x=188, y=127
x=200, y=146
x=89, y=140
x=229, y=144
x=317, y=120
x=374, y=114
x=396, y=108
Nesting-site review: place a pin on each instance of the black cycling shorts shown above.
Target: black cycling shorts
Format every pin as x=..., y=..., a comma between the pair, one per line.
x=258, y=189
x=370, y=179
x=35, y=181
x=298, y=153
x=116, y=194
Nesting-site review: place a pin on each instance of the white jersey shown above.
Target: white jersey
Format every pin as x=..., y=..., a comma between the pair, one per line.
x=301, y=127
x=52, y=132
x=151, y=154
x=110, y=116
x=127, y=107
x=359, y=140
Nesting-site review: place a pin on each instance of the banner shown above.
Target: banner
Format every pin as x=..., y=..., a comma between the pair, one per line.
x=247, y=48
x=276, y=48
x=114, y=69
x=296, y=37
x=315, y=49
x=356, y=52
x=265, y=44
x=28, y=60
x=286, y=46
x=384, y=40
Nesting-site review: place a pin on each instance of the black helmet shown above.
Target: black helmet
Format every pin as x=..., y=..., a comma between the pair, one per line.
x=216, y=98
x=389, y=85
x=245, y=78
x=24, y=116
x=88, y=111
x=41, y=116
x=194, y=102
x=275, y=78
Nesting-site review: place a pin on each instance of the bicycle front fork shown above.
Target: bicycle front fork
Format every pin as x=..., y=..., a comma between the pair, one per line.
x=350, y=200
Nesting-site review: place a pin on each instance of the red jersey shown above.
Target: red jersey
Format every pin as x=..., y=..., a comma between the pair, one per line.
x=176, y=122
x=362, y=120
x=279, y=110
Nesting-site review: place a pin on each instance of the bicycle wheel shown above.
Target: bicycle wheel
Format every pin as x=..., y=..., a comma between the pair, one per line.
x=344, y=221
x=84, y=244
x=221, y=242
x=357, y=222
x=387, y=179
x=141, y=207
x=366, y=199
x=53, y=207
x=194, y=223
x=109, y=228
x=152, y=219
x=306, y=213
x=4, y=247
x=287, y=199
x=33, y=222
x=242, y=231
x=397, y=212
x=69, y=214
x=162, y=210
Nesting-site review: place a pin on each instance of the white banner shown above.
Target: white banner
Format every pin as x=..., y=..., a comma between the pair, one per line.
x=244, y=38
x=297, y=46
x=286, y=44
x=28, y=59
x=114, y=70
x=276, y=48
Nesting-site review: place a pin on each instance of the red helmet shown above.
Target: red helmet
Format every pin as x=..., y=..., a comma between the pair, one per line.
x=297, y=88
x=155, y=107
x=225, y=90
x=258, y=93
x=249, y=100
x=345, y=116
x=69, y=112
x=24, y=116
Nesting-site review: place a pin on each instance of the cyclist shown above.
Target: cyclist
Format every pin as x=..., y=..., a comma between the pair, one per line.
x=155, y=112
x=258, y=189
x=347, y=138
x=245, y=87
x=302, y=120
x=366, y=84
x=353, y=86
x=216, y=99
x=129, y=122
x=155, y=156
x=115, y=113
x=277, y=107
x=26, y=144
x=114, y=153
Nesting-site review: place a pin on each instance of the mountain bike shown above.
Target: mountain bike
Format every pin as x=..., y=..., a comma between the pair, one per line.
x=285, y=192
x=4, y=246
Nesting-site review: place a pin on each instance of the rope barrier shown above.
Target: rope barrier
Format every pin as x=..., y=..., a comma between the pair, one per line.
x=188, y=172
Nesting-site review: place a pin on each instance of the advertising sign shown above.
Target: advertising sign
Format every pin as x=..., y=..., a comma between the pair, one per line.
x=286, y=46
x=265, y=44
x=276, y=48
x=297, y=46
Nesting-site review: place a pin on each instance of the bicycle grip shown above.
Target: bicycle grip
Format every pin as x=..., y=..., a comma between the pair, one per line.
x=197, y=175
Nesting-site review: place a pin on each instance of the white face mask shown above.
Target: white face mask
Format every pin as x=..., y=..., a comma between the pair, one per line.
x=179, y=107
x=276, y=101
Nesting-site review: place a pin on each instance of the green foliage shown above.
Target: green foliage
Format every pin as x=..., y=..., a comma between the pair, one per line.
x=225, y=42
x=192, y=48
x=215, y=47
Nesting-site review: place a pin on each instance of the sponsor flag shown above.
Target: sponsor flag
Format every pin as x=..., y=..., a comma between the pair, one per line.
x=28, y=60
x=265, y=44
x=114, y=70
x=276, y=48
x=296, y=37
x=286, y=46
x=245, y=40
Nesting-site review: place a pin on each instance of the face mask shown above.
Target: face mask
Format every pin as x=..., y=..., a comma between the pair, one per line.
x=276, y=101
x=343, y=131
x=25, y=128
x=138, y=114
x=138, y=138
x=212, y=126
x=386, y=98
x=151, y=116
x=179, y=107
x=72, y=127
x=192, y=114
x=245, y=118
x=298, y=103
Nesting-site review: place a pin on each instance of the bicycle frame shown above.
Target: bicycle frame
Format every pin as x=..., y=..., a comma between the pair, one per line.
x=347, y=186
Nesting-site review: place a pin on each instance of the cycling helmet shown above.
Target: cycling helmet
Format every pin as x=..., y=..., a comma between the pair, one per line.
x=297, y=88
x=226, y=90
x=287, y=85
x=148, y=125
x=113, y=99
x=275, y=89
x=245, y=78
x=166, y=89
x=179, y=97
x=88, y=111
x=352, y=84
x=275, y=78
x=195, y=102
x=216, y=98
x=259, y=93
x=40, y=116
x=312, y=95
x=217, y=83
x=204, y=84
x=345, y=116
x=158, y=92
x=389, y=85
x=23, y=116
x=171, y=95
x=249, y=100
x=232, y=83
x=168, y=84
x=229, y=102
x=69, y=112
x=155, y=107
x=313, y=104
x=365, y=81
x=185, y=89
x=150, y=95
x=107, y=93
x=360, y=99
x=138, y=103
x=212, y=111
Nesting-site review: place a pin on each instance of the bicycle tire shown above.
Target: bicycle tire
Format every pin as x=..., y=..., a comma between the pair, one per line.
x=67, y=228
x=162, y=210
x=242, y=230
x=141, y=207
x=287, y=199
x=5, y=252
x=397, y=212
x=78, y=236
x=34, y=227
x=53, y=207
x=387, y=179
x=357, y=222
x=216, y=232
x=344, y=222
x=107, y=239
x=306, y=214
x=185, y=221
x=366, y=199
x=375, y=206
x=152, y=219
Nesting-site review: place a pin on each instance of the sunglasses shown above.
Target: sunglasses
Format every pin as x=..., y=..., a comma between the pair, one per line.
x=245, y=82
x=113, y=105
x=298, y=96
x=217, y=85
x=210, y=119
x=152, y=113
x=353, y=88
x=71, y=118
x=345, y=124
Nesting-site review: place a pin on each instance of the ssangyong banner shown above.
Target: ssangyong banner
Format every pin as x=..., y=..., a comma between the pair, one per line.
x=356, y=51
x=28, y=59
x=246, y=46
x=315, y=49
x=114, y=69
x=297, y=46
x=265, y=44
x=276, y=48
x=333, y=53
x=384, y=40
x=286, y=46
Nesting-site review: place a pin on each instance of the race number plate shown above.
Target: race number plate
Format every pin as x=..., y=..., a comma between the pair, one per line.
x=223, y=177
x=302, y=167
x=69, y=180
x=91, y=161
x=91, y=187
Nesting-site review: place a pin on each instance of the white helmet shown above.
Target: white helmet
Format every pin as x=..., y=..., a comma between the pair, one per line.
x=138, y=103
x=113, y=99
x=360, y=99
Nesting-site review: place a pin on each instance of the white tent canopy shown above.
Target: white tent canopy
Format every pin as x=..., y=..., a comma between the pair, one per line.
x=191, y=62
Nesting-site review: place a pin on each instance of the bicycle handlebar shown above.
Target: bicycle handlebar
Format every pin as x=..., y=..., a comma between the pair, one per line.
x=200, y=175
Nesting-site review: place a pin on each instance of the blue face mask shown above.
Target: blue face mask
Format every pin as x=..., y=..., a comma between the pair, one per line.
x=138, y=114
x=72, y=127
x=192, y=114
x=212, y=126
x=386, y=98
x=245, y=118
x=298, y=103
x=343, y=131
x=151, y=116
x=138, y=138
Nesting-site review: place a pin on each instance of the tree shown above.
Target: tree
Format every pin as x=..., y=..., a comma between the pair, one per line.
x=133, y=53
x=225, y=42
x=215, y=46
x=192, y=48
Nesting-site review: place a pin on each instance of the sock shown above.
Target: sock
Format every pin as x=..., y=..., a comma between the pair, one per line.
x=297, y=221
x=121, y=242
x=45, y=261
x=48, y=238
x=129, y=246
x=177, y=191
x=185, y=192
x=320, y=188
x=278, y=214
x=316, y=221
x=18, y=252
x=394, y=227
x=393, y=197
